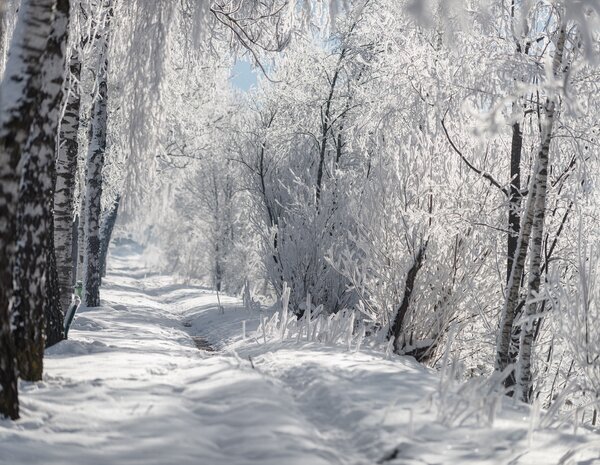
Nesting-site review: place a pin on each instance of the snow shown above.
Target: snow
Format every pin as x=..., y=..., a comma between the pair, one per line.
x=130, y=387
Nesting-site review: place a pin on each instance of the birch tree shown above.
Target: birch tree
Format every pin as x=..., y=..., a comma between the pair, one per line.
x=539, y=186
x=66, y=178
x=93, y=175
x=18, y=97
x=37, y=312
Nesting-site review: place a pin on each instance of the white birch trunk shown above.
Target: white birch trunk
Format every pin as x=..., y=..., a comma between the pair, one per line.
x=64, y=196
x=503, y=359
x=33, y=280
x=18, y=93
x=93, y=179
x=541, y=179
x=93, y=196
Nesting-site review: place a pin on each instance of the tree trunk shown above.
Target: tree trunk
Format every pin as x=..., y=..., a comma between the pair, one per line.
x=514, y=227
x=64, y=196
x=75, y=249
x=53, y=312
x=398, y=325
x=81, y=229
x=93, y=196
x=33, y=274
x=523, y=374
x=326, y=126
x=93, y=179
x=3, y=35
x=537, y=236
x=503, y=358
x=106, y=231
x=514, y=200
x=18, y=94
x=218, y=267
x=271, y=213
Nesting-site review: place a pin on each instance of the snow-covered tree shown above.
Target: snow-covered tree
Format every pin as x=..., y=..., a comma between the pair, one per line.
x=18, y=98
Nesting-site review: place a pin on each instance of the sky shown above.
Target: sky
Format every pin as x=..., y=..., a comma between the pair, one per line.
x=243, y=77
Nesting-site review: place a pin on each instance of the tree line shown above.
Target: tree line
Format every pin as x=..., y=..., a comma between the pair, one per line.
x=80, y=110
x=51, y=177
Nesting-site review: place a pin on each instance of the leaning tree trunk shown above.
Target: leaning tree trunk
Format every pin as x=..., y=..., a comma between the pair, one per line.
x=108, y=224
x=93, y=179
x=503, y=358
x=18, y=94
x=64, y=196
x=326, y=127
x=537, y=236
x=514, y=200
x=514, y=227
x=514, y=212
x=523, y=372
x=35, y=285
x=398, y=325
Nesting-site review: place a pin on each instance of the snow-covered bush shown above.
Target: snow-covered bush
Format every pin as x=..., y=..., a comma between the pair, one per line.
x=315, y=325
x=578, y=329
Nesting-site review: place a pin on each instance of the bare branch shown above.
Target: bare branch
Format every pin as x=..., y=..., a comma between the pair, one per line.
x=481, y=173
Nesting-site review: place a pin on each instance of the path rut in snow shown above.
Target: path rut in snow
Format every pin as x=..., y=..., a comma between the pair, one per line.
x=200, y=342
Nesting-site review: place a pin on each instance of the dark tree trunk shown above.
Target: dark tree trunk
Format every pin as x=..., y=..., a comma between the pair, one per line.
x=514, y=228
x=74, y=249
x=271, y=212
x=398, y=325
x=218, y=270
x=106, y=231
x=53, y=311
x=326, y=126
x=511, y=304
x=514, y=200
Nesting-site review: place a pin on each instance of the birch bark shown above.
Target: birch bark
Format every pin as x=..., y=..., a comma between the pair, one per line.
x=503, y=358
x=537, y=235
x=66, y=173
x=18, y=94
x=93, y=179
x=35, y=304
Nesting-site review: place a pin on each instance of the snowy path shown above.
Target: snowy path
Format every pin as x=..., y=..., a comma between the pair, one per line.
x=130, y=387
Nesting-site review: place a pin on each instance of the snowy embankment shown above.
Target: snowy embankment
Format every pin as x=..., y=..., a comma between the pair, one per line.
x=130, y=387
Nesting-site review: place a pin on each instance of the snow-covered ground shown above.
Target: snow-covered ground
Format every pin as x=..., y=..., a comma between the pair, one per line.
x=131, y=387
